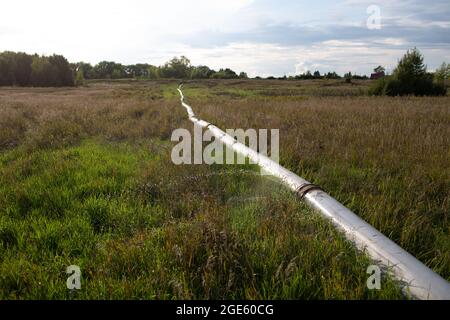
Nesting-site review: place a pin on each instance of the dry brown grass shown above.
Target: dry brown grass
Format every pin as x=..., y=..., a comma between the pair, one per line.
x=53, y=117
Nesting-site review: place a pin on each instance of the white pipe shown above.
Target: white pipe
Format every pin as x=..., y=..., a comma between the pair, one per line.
x=419, y=280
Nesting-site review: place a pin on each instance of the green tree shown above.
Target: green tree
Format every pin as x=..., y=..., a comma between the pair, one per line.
x=442, y=73
x=225, y=74
x=79, y=79
x=64, y=74
x=243, y=75
x=179, y=68
x=332, y=75
x=379, y=69
x=43, y=74
x=7, y=66
x=22, y=72
x=140, y=70
x=411, y=67
x=153, y=72
x=15, y=68
x=201, y=72
x=86, y=68
x=103, y=70
x=118, y=72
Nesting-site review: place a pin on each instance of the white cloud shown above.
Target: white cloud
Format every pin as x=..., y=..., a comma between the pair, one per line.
x=108, y=29
x=271, y=59
x=343, y=43
x=250, y=33
x=391, y=41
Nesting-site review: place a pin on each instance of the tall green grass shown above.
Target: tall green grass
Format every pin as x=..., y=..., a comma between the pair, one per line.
x=139, y=227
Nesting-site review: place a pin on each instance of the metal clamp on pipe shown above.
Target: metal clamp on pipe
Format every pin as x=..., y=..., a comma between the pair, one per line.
x=304, y=189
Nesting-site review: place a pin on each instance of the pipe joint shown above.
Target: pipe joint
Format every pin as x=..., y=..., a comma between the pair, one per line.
x=305, y=188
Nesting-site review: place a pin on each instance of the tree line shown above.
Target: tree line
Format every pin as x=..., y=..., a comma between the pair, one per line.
x=177, y=68
x=308, y=75
x=33, y=70
x=22, y=69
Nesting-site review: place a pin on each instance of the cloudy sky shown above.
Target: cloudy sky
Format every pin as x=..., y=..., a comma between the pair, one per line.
x=261, y=37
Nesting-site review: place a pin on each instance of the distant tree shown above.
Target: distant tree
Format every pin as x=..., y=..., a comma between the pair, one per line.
x=225, y=74
x=22, y=72
x=4, y=71
x=379, y=69
x=51, y=71
x=86, y=68
x=153, y=72
x=133, y=71
x=64, y=74
x=43, y=73
x=230, y=74
x=7, y=67
x=442, y=73
x=411, y=67
x=243, y=75
x=119, y=72
x=140, y=70
x=79, y=78
x=15, y=68
x=201, y=72
x=103, y=70
x=360, y=77
x=317, y=74
x=332, y=75
x=305, y=76
x=179, y=68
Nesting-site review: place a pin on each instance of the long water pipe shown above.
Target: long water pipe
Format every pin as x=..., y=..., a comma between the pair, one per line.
x=419, y=281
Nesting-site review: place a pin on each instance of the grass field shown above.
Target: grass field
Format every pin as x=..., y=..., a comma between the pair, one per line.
x=86, y=179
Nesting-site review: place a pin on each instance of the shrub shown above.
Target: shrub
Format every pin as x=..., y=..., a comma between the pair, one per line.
x=410, y=77
x=378, y=87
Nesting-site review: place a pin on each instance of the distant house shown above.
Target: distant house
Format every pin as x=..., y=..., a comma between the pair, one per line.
x=378, y=73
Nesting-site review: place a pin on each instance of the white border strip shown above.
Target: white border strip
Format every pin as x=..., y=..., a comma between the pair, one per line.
x=420, y=281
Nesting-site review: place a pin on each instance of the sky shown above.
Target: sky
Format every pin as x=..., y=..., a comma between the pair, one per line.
x=260, y=37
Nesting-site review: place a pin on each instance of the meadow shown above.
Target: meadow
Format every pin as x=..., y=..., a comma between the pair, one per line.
x=86, y=179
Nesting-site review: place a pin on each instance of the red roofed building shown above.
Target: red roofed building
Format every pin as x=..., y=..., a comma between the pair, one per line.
x=378, y=73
